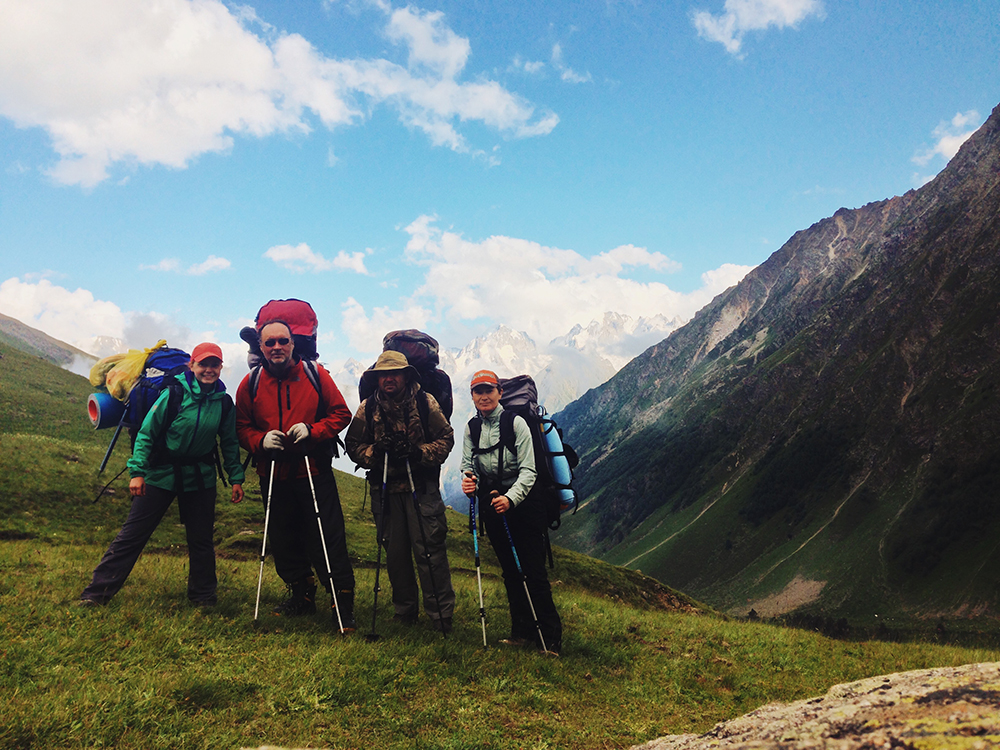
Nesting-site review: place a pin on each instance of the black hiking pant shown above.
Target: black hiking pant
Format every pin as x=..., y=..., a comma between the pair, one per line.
x=197, y=511
x=527, y=529
x=294, y=533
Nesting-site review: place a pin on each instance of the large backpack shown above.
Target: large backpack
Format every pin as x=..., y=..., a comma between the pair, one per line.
x=554, y=460
x=161, y=366
x=301, y=319
x=303, y=323
x=421, y=351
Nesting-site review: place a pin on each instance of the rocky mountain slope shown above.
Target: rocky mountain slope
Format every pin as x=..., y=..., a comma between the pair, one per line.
x=32, y=341
x=829, y=424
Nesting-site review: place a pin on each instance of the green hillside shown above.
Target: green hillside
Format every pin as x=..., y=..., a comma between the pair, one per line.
x=150, y=671
x=822, y=438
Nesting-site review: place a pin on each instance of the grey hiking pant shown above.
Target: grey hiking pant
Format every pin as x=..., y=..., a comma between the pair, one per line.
x=403, y=533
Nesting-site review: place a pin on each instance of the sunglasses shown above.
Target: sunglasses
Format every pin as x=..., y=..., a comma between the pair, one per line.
x=481, y=389
x=279, y=342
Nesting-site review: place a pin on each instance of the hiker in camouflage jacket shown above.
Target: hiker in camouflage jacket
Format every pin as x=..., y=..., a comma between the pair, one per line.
x=400, y=432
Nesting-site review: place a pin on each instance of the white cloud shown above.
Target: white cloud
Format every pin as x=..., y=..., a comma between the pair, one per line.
x=565, y=72
x=741, y=16
x=173, y=265
x=365, y=332
x=211, y=263
x=119, y=82
x=528, y=66
x=168, y=265
x=431, y=43
x=351, y=261
x=73, y=317
x=541, y=290
x=949, y=137
x=78, y=319
x=302, y=259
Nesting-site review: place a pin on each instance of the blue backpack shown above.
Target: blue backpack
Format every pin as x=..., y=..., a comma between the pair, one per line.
x=159, y=371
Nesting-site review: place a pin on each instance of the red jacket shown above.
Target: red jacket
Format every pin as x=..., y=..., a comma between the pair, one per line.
x=281, y=403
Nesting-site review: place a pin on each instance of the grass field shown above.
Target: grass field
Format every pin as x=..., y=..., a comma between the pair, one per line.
x=151, y=671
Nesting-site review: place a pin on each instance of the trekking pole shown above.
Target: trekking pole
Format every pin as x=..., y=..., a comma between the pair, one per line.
x=427, y=552
x=263, y=546
x=105, y=487
x=524, y=580
x=373, y=636
x=322, y=543
x=475, y=546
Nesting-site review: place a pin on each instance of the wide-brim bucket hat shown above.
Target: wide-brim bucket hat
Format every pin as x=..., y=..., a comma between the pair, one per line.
x=390, y=361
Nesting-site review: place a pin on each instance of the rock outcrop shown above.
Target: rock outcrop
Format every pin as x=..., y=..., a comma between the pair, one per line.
x=949, y=707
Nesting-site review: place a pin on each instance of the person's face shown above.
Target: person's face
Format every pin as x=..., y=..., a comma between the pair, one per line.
x=207, y=371
x=391, y=382
x=486, y=397
x=277, y=345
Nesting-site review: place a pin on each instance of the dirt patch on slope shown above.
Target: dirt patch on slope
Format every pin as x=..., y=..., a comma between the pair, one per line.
x=797, y=593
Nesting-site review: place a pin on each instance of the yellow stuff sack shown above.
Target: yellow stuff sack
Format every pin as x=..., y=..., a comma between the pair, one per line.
x=99, y=372
x=125, y=373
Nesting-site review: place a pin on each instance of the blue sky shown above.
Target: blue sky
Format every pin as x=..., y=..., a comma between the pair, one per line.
x=169, y=167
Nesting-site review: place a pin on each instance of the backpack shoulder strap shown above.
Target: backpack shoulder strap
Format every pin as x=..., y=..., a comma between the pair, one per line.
x=174, y=395
x=424, y=411
x=254, y=381
x=475, y=430
x=370, y=414
x=313, y=374
x=227, y=406
x=507, y=437
x=309, y=366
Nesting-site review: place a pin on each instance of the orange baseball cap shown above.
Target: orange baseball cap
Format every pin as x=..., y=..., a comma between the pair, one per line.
x=205, y=350
x=485, y=377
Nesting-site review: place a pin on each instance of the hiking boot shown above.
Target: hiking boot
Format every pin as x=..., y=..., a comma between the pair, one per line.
x=405, y=619
x=345, y=598
x=442, y=624
x=301, y=599
x=87, y=603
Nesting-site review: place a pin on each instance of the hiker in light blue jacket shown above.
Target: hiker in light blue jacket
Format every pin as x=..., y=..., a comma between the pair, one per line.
x=175, y=455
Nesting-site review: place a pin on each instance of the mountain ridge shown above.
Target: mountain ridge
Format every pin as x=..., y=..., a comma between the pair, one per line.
x=805, y=402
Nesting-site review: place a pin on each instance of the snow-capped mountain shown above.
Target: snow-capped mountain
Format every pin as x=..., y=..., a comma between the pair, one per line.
x=105, y=346
x=563, y=370
x=347, y=379
x=618, y=338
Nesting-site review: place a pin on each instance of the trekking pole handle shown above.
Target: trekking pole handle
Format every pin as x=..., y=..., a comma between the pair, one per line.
x=471, y=475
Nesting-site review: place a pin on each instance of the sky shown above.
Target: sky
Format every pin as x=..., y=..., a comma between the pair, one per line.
x=168, y=167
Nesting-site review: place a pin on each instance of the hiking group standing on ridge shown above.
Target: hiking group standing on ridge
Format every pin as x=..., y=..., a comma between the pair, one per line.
x=288, y=415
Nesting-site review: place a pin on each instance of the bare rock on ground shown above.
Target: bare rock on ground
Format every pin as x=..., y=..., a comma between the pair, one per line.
x=957, y=708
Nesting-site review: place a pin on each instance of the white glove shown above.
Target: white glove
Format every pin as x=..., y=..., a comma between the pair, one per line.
x=274, y=441
x=298, y=432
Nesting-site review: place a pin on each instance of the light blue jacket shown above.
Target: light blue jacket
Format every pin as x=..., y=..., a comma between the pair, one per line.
x=518, y=470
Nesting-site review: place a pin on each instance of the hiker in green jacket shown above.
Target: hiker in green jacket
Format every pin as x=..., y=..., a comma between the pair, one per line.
x=175, y=456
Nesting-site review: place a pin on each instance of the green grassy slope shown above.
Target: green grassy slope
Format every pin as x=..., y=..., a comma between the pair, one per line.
x=150, y=671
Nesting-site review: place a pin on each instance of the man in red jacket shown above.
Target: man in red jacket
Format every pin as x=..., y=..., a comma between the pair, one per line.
x=287, y=417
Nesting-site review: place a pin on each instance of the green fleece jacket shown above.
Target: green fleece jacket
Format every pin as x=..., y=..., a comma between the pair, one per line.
x=191, y=435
